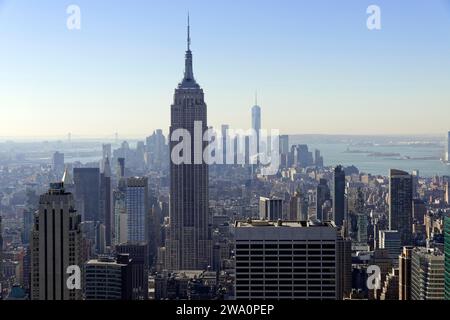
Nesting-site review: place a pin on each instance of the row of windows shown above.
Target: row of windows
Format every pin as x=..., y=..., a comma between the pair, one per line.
x=289, y=277
x=284, y=258
x=94, y=291
x=287, y=252
x=258, y=295
x=243, y=266
x=284, y=275
x=285, y=246
x=282, y=266
x=281, y=282
x=297, y=258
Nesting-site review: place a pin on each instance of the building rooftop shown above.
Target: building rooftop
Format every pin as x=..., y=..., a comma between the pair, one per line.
x=429, y=252
x=277, y=224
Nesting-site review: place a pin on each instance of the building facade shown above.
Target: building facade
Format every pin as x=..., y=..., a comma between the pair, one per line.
x=427, y=274
x=87, y=192
x=322, y=196
x=108, y=278
x=55, y=245
x=405, y=273
x=137, y=209
x=339, y=196
x=270, y=209
x=390, y=240
x=400, y=204
x=189, y=239
x=138, y=253
x=291, y=260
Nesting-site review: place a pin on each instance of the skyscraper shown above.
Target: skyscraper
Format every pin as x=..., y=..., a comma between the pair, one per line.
x=55, y=245
x=284, y=150
x=157, y=150
x=106, y=154
x=390, y=289
x=427, y=274
x=108, y=279
x=405, y=273
x=120, y=217
x=137, y=209
x=298, y=207
x=106, y=215
x=339, y=196
x=400, y=204
x=138, y=253
x=87, y=192
x=27, y=225
x=318, y=159
x=189, y=242
x=390, y=240
x=301, y=156
x=256, y=123
x=362, y=223
x=291, y=260
x=94, y=238
x=58, y=163
x=225, y=137
x=419, y=211
x=120, y=168
x=270, y=209
x=322, y=195
x=415, y=183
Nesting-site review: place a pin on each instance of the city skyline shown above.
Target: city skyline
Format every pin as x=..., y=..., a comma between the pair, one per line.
x=186, y=214
x=387, y=74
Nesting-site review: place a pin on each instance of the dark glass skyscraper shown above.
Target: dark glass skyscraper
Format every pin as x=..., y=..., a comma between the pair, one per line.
x=189, y=241
x=339, y=196
x=138, y=253
x=106, y=201
x=322, y=195
x=87, y=192
x=400, y=204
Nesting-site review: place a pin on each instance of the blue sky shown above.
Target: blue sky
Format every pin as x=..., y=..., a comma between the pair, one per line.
x=316, y=66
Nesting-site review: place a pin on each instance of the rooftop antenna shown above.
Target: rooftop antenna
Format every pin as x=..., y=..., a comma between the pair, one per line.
x=189, y=34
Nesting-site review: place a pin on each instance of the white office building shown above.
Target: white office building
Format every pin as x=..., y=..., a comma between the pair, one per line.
x=291, y=260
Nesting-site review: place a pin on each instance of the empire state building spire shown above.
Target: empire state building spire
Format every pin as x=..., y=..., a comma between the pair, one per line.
x=189, y=243
x=188, y=80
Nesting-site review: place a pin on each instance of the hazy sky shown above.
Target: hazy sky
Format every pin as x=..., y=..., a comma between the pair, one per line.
x=316, y=66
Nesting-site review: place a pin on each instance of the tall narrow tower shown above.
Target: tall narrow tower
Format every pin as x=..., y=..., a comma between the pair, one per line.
x=189, y=240
x=256, y=124
x=55, y=245
x=339, y=196
x=400, y=204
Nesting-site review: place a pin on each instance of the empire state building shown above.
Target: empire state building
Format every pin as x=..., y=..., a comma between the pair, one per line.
x=189, y=240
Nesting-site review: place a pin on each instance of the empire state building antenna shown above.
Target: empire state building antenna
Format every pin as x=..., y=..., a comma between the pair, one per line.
x=188, y=34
